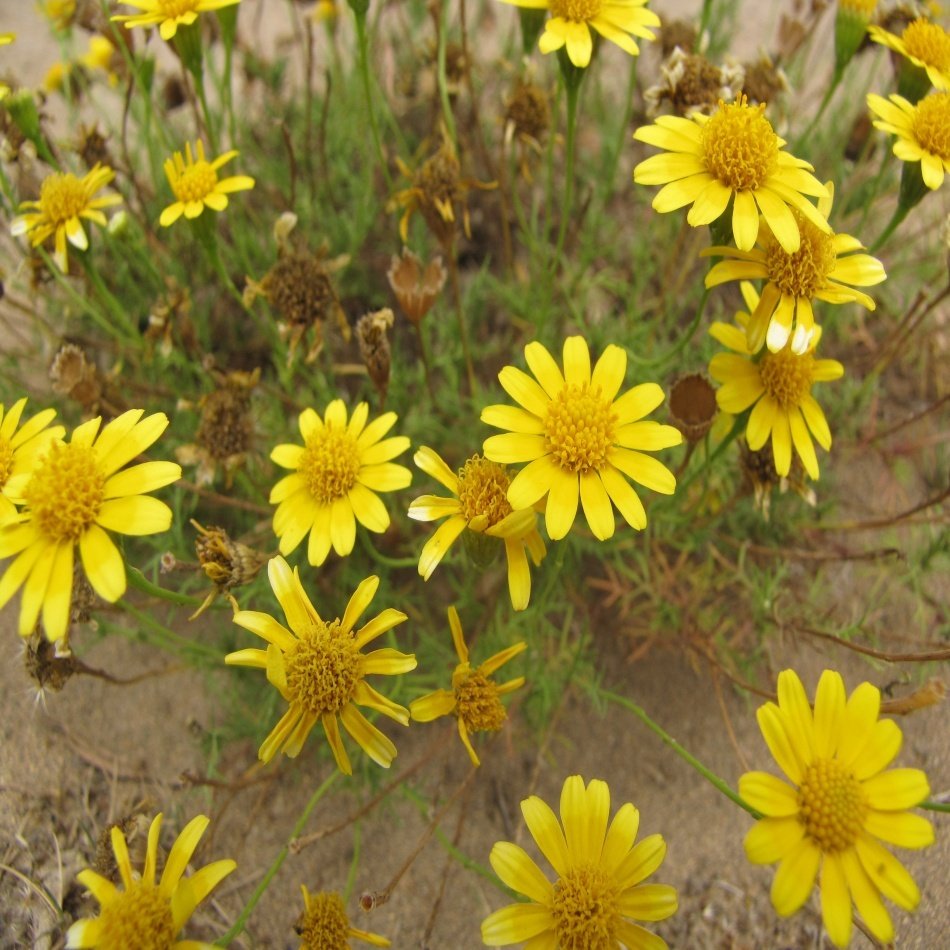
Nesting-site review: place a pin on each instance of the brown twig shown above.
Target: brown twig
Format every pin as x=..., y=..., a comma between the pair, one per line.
x=885, y=522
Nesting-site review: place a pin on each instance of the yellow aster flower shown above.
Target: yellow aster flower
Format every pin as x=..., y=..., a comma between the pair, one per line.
x=475, y=699
x=925, y=44
x=572, y=20
x=840, y=806
x=19, y=450
x=324, y=924
x=103, y=56
x=336, y=473
x=75, y=494
x=922, y=130
x=319, y=669
x=778, y=388
x=141, y=913
x=64, y=201
x=732, y=156
x=7, y=38
x=598, y=892
x=818, y=270
x=580, y=440
x=168, y=15
x=196, y=186
x=481, y=506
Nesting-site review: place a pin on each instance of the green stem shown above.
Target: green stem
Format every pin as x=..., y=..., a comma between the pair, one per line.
x=447, y=115
x=384, y=559
x=704, y=17
x=119, y=312
x=140, y=582
x=239, y=924
x=899, y=214
x=573, y=93
x=206, y=113
x=816, y=118
x=710, y=776
x=363, y=46
x=613, y=160
x=723, y=445
x=171, y=641
x=681, y=344
x=935, y=806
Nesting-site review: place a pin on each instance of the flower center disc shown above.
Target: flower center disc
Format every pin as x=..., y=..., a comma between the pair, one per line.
x=478, y=704
x=325, y=925
x=803, y=273
x=932, y=124
x=330, y=464
x=832, y=805
x=585, y=910
x=928, y=42
x=578, y=11
x=579, y=428
x=787, y=377
x=196, y=182
x=6, y=460
x=62, y=197
x=740, y=146
x=482, y=491
x=65, y=493
x=324, y=668
x=140, y=917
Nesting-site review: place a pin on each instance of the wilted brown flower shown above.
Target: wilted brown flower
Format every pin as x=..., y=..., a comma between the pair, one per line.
x=416, y=287
x=693, y=406
x=527, y=121
x=764, y=81
x=759, y=475
x=681, y=33
x=93, y=147
x=371, y=332
x=227, y=563
x=72, y=374
x=169, y=322
x=691, y=83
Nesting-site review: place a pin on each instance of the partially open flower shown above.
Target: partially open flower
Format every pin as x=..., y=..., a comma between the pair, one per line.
x=416, y=286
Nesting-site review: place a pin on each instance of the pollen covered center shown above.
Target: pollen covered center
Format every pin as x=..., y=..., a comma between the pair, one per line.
x=577, y=11
x=62, y=196
x=832, y=805
x=66, y=492
x=579, y=428
x=477, y=702
x=195, y=182
x=483, y=489
x=6, y=460
x=932, y=124
x=803, y=273
x=740, y=146
x=324, y=925
x=585, y=910
x=140, y=917
x=928, y=42
x=787, y=377
x=330, y=464
x=323, y=669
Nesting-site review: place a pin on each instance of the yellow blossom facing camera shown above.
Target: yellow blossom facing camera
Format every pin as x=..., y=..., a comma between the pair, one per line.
x=336, y=474
x=599, y=891
x=318, y=667
x=20, y=447
x=571, y=22
x=324, y=924
x=778, y=388
x=196, y=186
x=64, y=202
x=823, y=268
x=481, y=506
x=733, y=156
x=168, y=15
x=925, y=44
x=841, y=803
x=475, y=698
x=141, y=913
x=580, y=440
x=74, y=496
x=922, y=130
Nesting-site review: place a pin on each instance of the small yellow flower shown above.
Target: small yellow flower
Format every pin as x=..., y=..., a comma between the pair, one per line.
x=922, y=130
x=336, y=473
x=571, y=22
x=64, y=201
x=475, y=699
x=168, y=15
x=55, y=78
x=59, y=12
x=196, y=186
x=74, y=495
x=598, y=892
x=143, y=913
x=19, y=450
x=840, y=806
x=778, y=387
x=925, y=44
x=319, y=669
x=102, y=56
x=581, y=441
x=324, y=924
x=7, y=38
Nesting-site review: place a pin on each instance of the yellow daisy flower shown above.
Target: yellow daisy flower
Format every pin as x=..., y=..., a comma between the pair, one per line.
x=925, y=44
x=922, y=130
x=480, y=505
x=196, y=186
x=475, y=699
x=319, y=669
x=19, y=450
x=840, y=806
x=598, y=892
x=141, y=913
x=7, y=38
x=777, y=386
x=733, y=155
x=168, y=15
x=571, y=22
x=324, y=924
x=579, y=439
x=818, y=270
x=76, y=494
x=336, y=473
x=64, y=201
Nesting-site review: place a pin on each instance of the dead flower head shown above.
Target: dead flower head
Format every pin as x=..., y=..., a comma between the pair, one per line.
x=72, y=374
x=691, y=83
x=416, y=286
x=371, y=331
x=169, y=322
x=764, y=81
x=681, y=33
x=227, y=563
x=527, y=121
x=759, y=475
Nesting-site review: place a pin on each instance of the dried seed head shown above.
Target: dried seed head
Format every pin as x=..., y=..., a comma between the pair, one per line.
x=416, y=287
x=134, y=828
x=528, y=111
x=46, y=667
x=227, y=563
x=169, y=322
x=371, y=332
x=679, y=33
x=693, y=405
x=691, y=83
x=760, y=476
x=93, y=147
x=764, y=81
x=226, y=428
x=72, y=374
